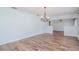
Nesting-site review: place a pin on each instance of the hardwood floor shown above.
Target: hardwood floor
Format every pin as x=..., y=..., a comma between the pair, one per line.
x=44, y=42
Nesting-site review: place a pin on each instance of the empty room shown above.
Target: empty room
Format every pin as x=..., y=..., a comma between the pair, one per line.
x=39, y=29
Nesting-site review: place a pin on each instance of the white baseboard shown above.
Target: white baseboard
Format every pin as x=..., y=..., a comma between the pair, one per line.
x=22, y=37
x=27, y=36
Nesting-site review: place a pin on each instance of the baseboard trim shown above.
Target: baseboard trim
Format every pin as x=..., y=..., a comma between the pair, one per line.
x=21, y=38
x=72, y=37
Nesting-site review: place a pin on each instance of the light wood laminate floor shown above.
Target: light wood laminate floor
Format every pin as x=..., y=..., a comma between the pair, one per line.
x=44, y=42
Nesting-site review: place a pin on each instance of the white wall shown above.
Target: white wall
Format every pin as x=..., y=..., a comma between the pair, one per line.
x=15, y=25
x=78, y=28
x=78, y=32
x=68, y=26
x=70, y=31
x=68, y=22
x=58, y=25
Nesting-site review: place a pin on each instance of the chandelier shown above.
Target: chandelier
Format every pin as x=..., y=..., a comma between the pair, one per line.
x=45, y=18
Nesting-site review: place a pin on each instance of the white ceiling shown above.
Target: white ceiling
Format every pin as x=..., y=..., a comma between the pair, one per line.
x=51, y=11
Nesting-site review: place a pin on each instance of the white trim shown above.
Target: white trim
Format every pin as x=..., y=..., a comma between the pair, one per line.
x=27, y=36
x=20, y=38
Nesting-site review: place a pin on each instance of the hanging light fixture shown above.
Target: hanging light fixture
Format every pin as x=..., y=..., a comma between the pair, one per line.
x=45, y=18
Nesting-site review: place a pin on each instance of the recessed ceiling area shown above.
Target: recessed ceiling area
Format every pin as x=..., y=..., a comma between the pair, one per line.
x=51, y=11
